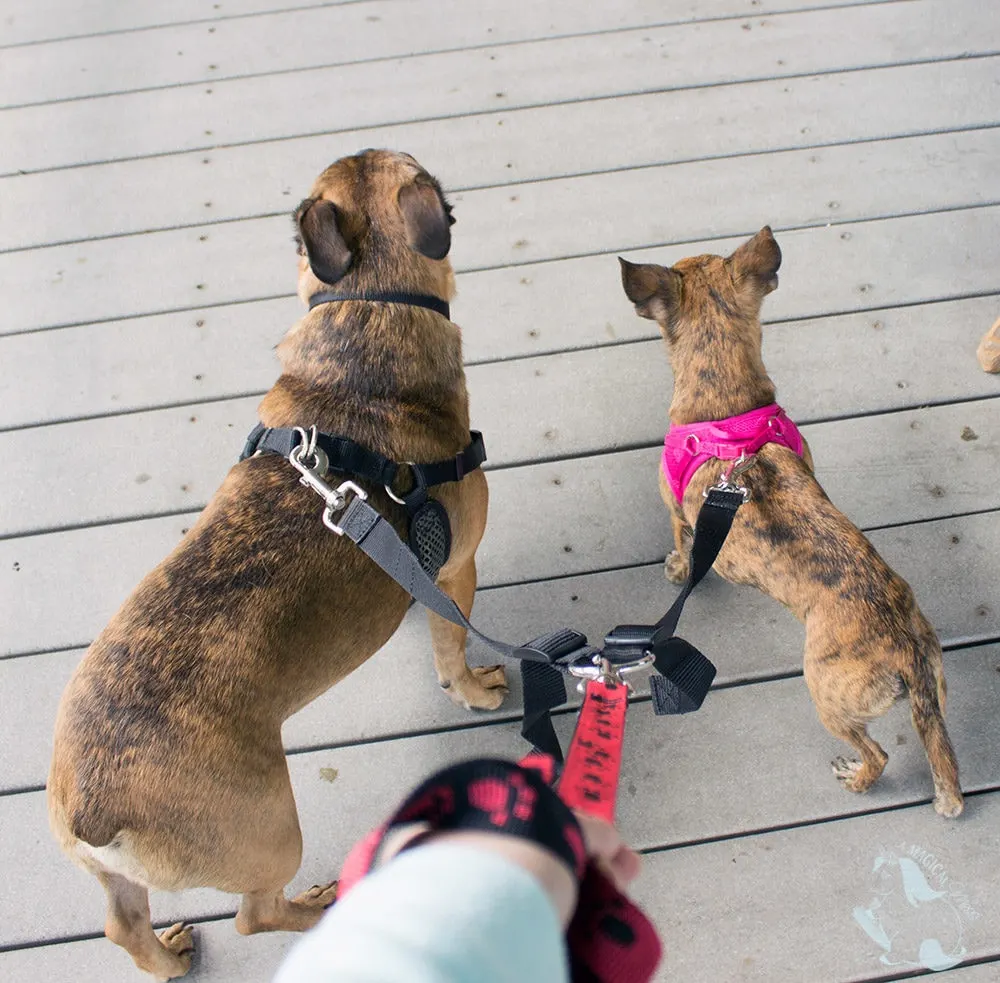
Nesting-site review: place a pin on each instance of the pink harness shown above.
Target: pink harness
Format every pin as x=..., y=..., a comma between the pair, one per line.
x=688, y=447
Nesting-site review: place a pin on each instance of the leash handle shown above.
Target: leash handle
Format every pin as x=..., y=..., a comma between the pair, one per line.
x=589, y=780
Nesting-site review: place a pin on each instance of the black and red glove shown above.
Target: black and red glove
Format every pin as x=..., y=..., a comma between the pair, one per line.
x=610, y=940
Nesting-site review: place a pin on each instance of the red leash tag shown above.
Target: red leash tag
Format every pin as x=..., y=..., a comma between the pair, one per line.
x=590, y=777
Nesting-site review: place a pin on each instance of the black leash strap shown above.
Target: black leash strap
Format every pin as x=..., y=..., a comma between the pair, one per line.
x=683, y=677
x=370, y=531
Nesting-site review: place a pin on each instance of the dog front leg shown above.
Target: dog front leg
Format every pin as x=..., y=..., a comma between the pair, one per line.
x=482, y=688
x=676, y=567
x=271, y=911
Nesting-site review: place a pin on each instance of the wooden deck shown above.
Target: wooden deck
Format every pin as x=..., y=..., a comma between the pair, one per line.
x=150, y=154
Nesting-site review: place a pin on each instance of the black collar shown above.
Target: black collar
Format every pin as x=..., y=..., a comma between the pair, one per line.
x=386, y=297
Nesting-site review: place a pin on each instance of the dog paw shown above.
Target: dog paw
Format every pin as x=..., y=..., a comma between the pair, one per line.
x=179, y=939
x=676, y=568
x=318, y=896
x=948, y=804
x=483, y=688
x=848, y=773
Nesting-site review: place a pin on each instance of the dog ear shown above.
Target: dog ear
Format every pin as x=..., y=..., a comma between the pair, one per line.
x=758, y=259
x=318, y=223
x=426, y=217
x=655, y=290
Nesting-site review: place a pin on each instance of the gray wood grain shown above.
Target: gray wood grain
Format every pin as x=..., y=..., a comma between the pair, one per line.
x=122, y=366
x=33, y=21
x=505, y=148
x=780, y=907
x=184, y=268
x=30, y=22
x=440, y=85
x=271, y=42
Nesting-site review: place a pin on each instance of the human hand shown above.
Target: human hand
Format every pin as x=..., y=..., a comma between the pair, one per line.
x=606, y=848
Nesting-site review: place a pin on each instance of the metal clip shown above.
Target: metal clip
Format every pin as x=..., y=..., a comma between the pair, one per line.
x=611, y=675
x=728, y=479
x=312, y=476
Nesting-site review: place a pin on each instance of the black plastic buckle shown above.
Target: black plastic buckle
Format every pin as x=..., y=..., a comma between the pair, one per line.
x=562, y=645
x=253, y=440
x=627, y=643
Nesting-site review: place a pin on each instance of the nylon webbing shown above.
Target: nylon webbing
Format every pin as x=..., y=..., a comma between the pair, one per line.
x=376, y=537
x=543, y=684
x=385, y=297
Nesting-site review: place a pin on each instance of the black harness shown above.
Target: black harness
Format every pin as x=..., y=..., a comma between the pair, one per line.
x=429, y=531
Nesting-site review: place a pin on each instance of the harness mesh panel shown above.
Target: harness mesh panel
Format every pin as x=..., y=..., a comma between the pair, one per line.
x=430, y=536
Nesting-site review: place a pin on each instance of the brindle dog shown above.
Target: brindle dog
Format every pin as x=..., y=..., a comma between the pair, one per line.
x=168, y=769
x=867, y=642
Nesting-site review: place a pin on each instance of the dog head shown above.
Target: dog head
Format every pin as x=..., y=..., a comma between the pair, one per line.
x=708, y=310
x=375, y=221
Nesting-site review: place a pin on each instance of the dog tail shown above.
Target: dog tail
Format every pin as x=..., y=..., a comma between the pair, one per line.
x=924, y=678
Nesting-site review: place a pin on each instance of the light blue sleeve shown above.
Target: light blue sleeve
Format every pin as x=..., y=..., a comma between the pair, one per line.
x=441, y=913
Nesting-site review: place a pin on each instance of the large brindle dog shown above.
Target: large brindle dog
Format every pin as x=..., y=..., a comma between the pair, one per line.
x=168, y=769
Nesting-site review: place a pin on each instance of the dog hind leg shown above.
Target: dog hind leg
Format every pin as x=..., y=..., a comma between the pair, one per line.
x=481, y=688
x=926, y=684
x=858, y=776
x=128, y=925
x=833, y=691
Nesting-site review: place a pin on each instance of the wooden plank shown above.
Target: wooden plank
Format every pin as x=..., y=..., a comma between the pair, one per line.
x=34, y=21
x=338, y=34
x=779, y=907
x=574, y=304
x=88, y=281
x=722, y=794
x=514, y=147
x=225, y=957
x=31, y=23
x=168, y=359
x=172, y=460
x=647, y=59
x=57, y=590
x=396, y=691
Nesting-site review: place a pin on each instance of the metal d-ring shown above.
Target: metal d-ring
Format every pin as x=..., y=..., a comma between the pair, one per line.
x=307, y=450
x=416, y=484
x=313, y=475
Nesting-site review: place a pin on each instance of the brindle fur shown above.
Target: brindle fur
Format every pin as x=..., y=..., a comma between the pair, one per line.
x=867, y=642
x=168, y=769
